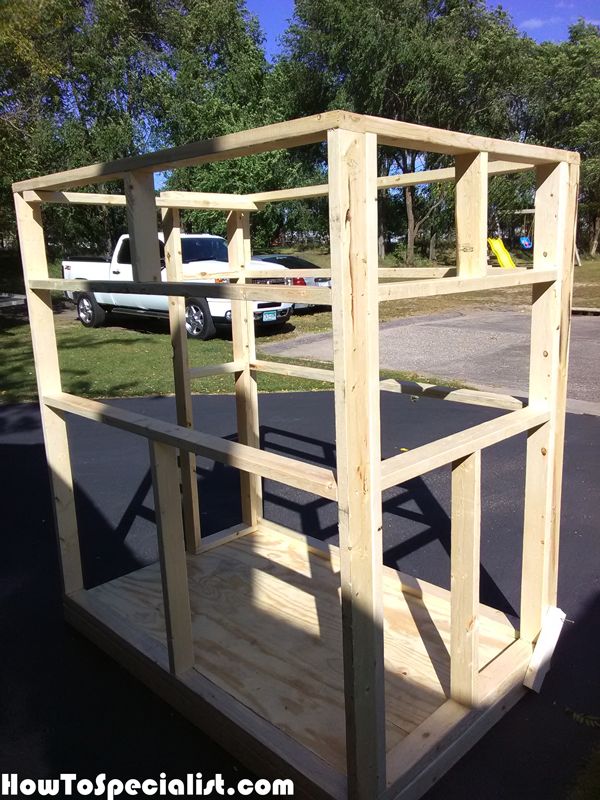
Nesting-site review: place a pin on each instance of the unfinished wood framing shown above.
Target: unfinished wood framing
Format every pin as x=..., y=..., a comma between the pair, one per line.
x=388, y=680
x=181, y=378
x=244, y=352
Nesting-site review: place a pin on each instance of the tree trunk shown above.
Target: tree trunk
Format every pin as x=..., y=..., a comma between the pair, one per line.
x=381, y=242
x=410, y=218
x=432, y=251
x=594, y=235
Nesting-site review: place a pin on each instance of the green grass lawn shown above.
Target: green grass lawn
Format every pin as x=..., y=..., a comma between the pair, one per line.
x=132, y=355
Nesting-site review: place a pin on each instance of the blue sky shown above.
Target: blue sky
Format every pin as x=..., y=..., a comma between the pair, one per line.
x=541, y=19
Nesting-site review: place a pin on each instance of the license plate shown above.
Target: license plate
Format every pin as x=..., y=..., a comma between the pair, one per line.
x=269, y=316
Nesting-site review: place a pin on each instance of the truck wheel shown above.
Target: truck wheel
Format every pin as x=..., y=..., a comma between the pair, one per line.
x=90, y=314
x=198, y=320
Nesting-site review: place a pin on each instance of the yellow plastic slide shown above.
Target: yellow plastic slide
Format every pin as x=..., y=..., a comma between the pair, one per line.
x=502, y=254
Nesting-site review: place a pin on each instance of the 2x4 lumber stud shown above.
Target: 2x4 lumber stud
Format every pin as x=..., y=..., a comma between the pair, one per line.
x=278, y=136
x=181, y=379
x=294, y=133
x=209, y=200
x=261, y=292
x=143, y=228
x=550, y=323
x=308, y=477
x=43, y=334
x=471, y=214
x=424, y=177
x=433, y=288
x=244, y=351
x=405, y=466
x=171, y=550
x=353, y=234
x=464, y=586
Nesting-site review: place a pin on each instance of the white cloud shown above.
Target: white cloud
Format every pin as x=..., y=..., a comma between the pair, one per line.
x=534, y=23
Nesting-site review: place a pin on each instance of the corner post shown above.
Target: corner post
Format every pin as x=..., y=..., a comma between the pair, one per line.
x=43, y=335
x=471, y=214
x=181, y=378
x=555, y=214
x=244, y=350
x=354, y=260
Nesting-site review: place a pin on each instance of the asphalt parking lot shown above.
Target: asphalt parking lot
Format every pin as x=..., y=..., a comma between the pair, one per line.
x=482, y=349
x=67, y=707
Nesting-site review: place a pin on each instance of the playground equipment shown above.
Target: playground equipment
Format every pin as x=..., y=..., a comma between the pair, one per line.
x=499, y=250
x=271, y=641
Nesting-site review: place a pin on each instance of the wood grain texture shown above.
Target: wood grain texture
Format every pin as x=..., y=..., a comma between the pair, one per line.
x=434, y=288
x=471, y=215
x=423, y=459
x=47, y=368
x=266, y=618
x=464, y=578
x=171, y=550
x=550, y=325
x=181, y=379
x=244, y=351
x=352, y=160
x=143, y=227
x=297, y=132
x=281, y=293
x=307, y=477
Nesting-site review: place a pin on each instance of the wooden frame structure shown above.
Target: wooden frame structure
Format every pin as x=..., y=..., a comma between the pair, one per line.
x=369, y=705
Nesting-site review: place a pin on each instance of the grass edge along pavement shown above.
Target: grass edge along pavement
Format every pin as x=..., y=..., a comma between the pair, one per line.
x=132, y=356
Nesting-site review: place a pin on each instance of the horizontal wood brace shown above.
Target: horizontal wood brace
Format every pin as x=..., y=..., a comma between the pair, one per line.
x=293, y=370
x=297, y=132
x=426, y=176
x=416, y=272
x=405, y=466
x=317, y=480
x=278, y=136
x=250, y=273
x=277, y=293
x=468, y=396
x=207, y=200
x=216, y=369
x=433, y=288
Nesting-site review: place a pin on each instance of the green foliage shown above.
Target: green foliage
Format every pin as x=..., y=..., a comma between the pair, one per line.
x=101, y=79
x=564, y=110
x=441, y=64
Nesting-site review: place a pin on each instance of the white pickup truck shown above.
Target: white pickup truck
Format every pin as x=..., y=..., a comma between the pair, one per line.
x=201, y=253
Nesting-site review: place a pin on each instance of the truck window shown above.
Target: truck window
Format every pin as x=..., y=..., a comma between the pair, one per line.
x=124, y=254
x=206, y=248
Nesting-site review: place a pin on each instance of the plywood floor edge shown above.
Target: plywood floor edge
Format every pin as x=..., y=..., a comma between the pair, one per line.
x=191, y=695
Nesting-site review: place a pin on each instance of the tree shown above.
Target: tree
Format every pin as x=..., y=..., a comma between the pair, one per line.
x=75, y=89
x=218, y=81
x=564, y=109
x=432, y=62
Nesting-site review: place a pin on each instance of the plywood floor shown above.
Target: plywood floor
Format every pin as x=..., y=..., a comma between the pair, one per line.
x=267, y=629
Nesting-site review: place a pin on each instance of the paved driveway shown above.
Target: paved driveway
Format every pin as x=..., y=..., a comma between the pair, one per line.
x=483, y=349
x=68, y=708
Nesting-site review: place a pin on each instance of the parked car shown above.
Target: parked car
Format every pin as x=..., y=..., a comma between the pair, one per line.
x=294, y=262
x=201, y=253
